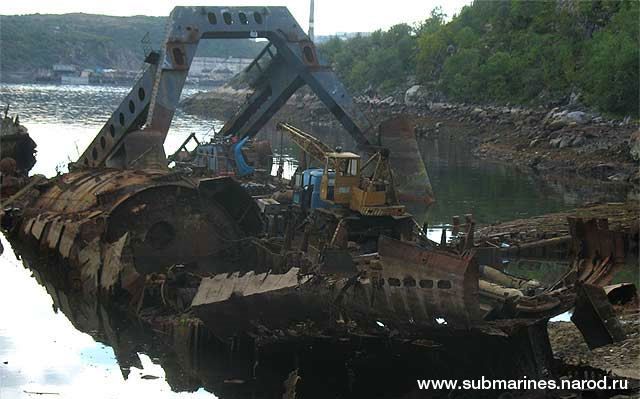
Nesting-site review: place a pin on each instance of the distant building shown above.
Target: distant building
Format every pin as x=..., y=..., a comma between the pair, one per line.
x=208, y=66
x=64, y=69
x=83, y=79
x=340, y=35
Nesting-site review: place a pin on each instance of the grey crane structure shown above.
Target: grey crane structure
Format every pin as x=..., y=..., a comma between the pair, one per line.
x=133, y=136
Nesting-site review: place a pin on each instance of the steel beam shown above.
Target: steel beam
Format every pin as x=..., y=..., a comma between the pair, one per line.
x=150, y=105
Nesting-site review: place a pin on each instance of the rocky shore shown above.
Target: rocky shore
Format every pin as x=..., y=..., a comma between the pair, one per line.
x=620, y=359
x=562, y=142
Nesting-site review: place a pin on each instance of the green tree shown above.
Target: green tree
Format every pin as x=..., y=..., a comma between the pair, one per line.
x=521, y=51
x=610, y=76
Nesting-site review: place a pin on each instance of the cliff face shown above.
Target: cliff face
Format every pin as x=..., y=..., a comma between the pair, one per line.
x=30, y=42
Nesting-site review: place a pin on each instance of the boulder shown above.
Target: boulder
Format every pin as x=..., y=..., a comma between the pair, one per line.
x=578, y=141
x=414, y=96
x=476, y=112
x=550, y=115
x=557, y=124
x=634, y=145
x=574, y=99
x=565, y=142
x=555, y=142
x=578, y=117
x=619, y=177
x=388, y=101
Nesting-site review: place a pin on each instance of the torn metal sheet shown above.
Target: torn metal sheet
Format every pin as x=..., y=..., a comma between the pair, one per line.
x=113, y=262
x=28, y=226
x=599, y=249
x=53, y=233
x=595, y=318
x=622, y=293
x=409, y=173
x=39, y=224
x=90, y=261
x=68, y=238
x=222, y=287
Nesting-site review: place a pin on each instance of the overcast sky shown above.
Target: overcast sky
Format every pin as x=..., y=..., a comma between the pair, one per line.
x=331, y=15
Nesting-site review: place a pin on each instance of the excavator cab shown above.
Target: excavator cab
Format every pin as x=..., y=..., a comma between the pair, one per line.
x=375, y=193
x=341, y=174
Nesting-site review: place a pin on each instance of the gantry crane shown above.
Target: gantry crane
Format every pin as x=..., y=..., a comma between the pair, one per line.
x=133, y=136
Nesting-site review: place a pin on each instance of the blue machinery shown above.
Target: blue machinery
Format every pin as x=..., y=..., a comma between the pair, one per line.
x=220, y=157
x=308, y=184
x=242, y=168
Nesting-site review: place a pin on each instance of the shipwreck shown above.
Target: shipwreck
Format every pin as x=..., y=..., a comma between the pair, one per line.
x=260, y=266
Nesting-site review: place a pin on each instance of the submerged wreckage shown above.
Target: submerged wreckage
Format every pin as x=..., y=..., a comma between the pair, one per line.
x=17, y=153
x=337, y=261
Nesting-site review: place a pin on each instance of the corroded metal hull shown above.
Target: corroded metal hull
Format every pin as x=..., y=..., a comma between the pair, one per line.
x=116, y=226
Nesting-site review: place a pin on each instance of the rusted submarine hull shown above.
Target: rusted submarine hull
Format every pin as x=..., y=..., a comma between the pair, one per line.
x=403, y=287
x=115, y=226
x=404, y=299
x=130, y=228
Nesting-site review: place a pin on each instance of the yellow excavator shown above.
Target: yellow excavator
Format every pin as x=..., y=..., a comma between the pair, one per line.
x=343, y=181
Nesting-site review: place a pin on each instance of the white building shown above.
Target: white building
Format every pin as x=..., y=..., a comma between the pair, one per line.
x=212, y=66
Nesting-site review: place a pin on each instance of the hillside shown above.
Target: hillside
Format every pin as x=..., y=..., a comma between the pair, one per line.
x=524, y=52
x=29, y=42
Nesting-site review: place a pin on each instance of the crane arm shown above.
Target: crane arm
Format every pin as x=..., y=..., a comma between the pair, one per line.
x=309, y=144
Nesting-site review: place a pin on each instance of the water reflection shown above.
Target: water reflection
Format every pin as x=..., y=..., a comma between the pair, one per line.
x=43, y=350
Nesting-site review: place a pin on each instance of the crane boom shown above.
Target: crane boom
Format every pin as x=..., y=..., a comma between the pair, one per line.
x=309, y=144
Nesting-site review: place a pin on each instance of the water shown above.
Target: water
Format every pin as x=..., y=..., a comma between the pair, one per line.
x=48, y=351
x=63, y=120
x=490, y=191
x=41, y=351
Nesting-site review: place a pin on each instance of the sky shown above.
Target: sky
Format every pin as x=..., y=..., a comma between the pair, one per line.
x=331, y=15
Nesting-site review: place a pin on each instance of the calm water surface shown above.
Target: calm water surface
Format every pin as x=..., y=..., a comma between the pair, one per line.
x=40, y=349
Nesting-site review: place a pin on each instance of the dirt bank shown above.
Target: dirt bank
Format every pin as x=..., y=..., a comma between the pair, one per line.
x=554, y=143
x=620, y=358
